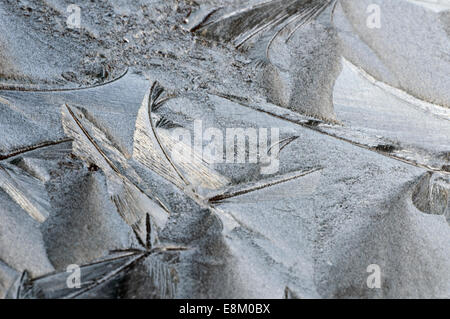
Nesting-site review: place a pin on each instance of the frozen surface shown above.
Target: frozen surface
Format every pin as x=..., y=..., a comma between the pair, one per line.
x=89, y=173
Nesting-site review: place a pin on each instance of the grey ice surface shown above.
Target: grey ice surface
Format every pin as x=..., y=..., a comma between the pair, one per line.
x=89, y=173
x=393, y=53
